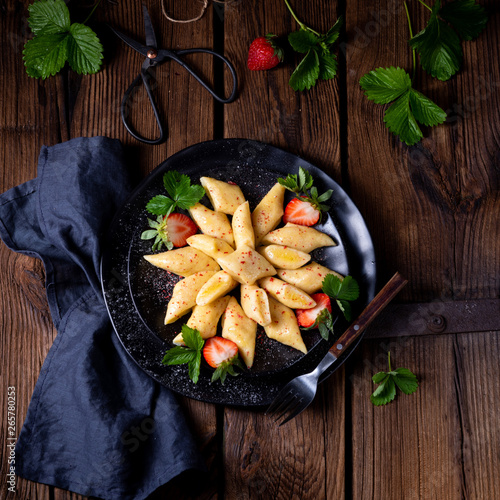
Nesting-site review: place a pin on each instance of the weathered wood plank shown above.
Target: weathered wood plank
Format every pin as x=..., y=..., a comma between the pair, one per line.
x=449, y=180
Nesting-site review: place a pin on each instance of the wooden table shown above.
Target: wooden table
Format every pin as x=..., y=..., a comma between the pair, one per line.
x=432, y=209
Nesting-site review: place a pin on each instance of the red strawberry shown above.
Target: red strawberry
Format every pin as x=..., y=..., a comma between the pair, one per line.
x=264, y=53
x=301, y=212
x=307, y=317
x=179, y=228
x=222, y=354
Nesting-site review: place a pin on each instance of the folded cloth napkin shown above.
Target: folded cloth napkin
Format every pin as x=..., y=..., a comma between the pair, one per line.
x=96, y=425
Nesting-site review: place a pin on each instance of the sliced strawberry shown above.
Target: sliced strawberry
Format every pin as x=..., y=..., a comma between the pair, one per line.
x=221, y=354
x=180, y=227
x=301, y=212
x=307, y=317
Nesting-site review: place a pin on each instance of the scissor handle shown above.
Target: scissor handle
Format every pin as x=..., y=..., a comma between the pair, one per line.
x=174, y=56
x=124, y=109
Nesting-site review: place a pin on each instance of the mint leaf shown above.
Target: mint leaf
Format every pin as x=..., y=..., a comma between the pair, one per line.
x=84, y=50
x=384, y=85
x=49, y=17
x=192, y=338
x=302, y=40
x=386, y=391
x=57, y=41
x=439, y=47
x=466, y=16
x=306, y=73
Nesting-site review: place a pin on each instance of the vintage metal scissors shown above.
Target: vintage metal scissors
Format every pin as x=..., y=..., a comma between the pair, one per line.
x=154, y=57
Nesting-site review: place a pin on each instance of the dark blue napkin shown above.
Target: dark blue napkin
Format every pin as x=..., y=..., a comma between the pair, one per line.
x=96, y=425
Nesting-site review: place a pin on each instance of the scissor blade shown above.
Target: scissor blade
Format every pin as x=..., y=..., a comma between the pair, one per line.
x=142, y=49
x=148, y=27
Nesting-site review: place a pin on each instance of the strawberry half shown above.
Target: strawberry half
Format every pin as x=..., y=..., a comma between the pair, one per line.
x=264, y=54
x=179, y=228
x=299, y=211
x=221, y=354
x=318, y=317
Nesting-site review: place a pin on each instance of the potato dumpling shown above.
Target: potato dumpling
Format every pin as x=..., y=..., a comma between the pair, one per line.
x=284, y=327
x=212, y=223
x=213, y=247
x=239, y=328
x=183, y=261
x=308, y=278
x=184, y=295
x=217, y=286
x=246, y=265
x=255, y=304
x=303, y=238
x=287, y=294
x=284, y=257
x=223, y=196
x=205, y=319
x=267, y=214
x=242, y=226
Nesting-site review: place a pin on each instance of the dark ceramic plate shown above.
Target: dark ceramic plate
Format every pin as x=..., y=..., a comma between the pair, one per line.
x=137, y=293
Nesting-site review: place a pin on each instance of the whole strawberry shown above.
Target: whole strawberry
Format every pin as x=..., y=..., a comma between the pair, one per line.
x=264, y=53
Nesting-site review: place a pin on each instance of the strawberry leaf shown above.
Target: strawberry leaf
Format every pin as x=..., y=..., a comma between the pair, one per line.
x=306, y=73
x=302, y=40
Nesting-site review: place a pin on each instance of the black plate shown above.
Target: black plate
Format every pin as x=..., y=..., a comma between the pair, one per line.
x=137, y=293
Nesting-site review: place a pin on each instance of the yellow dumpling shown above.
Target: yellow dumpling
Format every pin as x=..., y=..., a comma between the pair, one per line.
x=213, y=247
x=246, y=265
x=217, y=286
x=284, y=327
x=212, y=223
x=255, y=304
x=303, y=238
x=287, y=294
x=183, y=261
x=184, y=295
x=284, y=257
x=242, y=226
x=205, y=319
x=308, y=278
x=267, y=214
x=239, y=328
x=223, y=196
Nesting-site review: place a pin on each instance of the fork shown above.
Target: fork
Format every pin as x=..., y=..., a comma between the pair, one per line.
x=296, y=396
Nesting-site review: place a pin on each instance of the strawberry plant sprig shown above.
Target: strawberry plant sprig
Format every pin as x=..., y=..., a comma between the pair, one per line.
x=440, y=52
x=58, y=41
x=319, y=61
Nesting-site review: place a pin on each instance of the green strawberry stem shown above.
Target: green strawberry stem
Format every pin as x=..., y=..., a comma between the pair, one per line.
x=302, y=25
x=389, y=360
x=92, y=11
x=411, y=36
x=425, y=5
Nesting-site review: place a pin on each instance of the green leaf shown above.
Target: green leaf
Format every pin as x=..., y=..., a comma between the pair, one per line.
x=173, y=182
x=290, y=182
x=424, y=110
x=327, y=65
x=191, y=197
x=179, y=356
x=349, y=289
x=194, y=368
x=306, y=73
x=331, y=285
x=160, y=205
x=192, y=338
x=49, y=17
x=384, y=85
x=400, y=121
x=45, y=55
x=84, y=50
x=345, y=307
x=466, y=16
x=384, y=393
x=406, y=380
x=379, y=377
x=150, y=233
x=439, y=47
x=333, y=33
x=302, y=40
x=325, y=196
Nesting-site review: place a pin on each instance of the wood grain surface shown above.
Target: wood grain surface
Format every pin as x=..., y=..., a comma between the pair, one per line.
x=432, y=210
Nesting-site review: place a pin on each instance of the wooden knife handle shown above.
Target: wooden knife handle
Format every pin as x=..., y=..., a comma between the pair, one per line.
x=371, y=311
